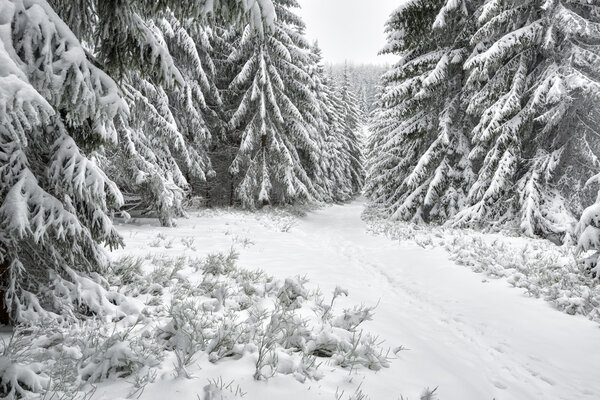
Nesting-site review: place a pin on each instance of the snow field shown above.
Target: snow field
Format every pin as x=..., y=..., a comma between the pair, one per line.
x=255, y=322
x=471, y=337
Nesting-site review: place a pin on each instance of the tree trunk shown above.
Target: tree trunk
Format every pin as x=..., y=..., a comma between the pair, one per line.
x=208, y=202
x=231, y=190
x=5, y=318
x=263, y=143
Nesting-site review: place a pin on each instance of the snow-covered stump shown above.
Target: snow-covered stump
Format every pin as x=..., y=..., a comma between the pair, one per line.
x=589, y=237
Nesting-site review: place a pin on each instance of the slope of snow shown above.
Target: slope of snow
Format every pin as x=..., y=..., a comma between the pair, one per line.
x=473, y=338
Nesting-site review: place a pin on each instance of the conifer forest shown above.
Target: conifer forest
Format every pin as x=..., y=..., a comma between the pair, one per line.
x=299, y=199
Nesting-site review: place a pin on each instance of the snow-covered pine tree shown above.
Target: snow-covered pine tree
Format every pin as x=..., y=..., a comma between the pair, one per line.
x=144, y=164
x=418, y=167
x=198, y=107
x=128, y=40
x=335, y=175
x=533, y=84
x=220, y=189
x=57, y=110
x=267, y=123
x=364, y=79
x=122, y=36
x=351, y=136
x=321, y=167
x=158, y=52
x=170, y=132
x=377, y=163
x=364, y=103
x=164, y=141
x=305, y=87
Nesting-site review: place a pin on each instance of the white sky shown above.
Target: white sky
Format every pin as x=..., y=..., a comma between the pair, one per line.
x=349, y=30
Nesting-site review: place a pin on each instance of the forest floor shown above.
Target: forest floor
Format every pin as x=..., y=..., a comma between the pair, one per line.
x=469, y=336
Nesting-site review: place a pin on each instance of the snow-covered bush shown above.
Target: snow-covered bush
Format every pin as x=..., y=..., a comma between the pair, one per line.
x=220, y=264
x=348, y=349
x=293, y=293
x=225, y=315
x=17, y=380
x=537, y=266
x=20, y=375
x=217, y=389
x=208, y=310
x=589, y=237
x=127, y=270
x=362, y=350
x=114, y=354
x=351, y=318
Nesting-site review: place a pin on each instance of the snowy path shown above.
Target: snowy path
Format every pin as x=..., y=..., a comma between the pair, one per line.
x=474, y=339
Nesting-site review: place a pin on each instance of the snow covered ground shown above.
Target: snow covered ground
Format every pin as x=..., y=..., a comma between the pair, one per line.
x=471, y=337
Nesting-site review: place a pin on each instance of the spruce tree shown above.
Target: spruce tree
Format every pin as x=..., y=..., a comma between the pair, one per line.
x=220, y=188
x=58, y=110
x=351, y=136
x=418, y=168
x=533, y=82
x=335, y=167
x=321, y=168
x=165, y=142
x=272, y=132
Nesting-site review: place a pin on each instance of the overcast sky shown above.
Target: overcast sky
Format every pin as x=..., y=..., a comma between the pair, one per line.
x=349, y=30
